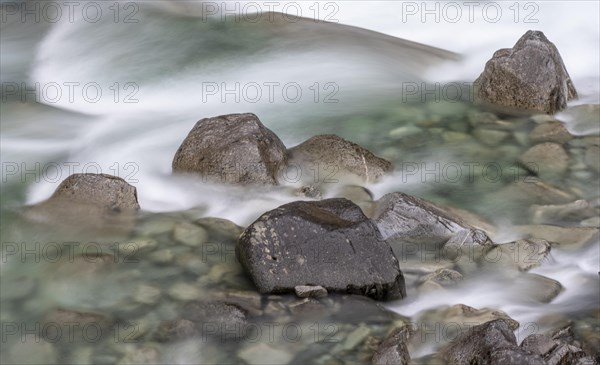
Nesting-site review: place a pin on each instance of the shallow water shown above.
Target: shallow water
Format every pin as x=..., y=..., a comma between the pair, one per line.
x=166, y=68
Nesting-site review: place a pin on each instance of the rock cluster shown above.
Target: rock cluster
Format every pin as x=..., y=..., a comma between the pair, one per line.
x=239, y=149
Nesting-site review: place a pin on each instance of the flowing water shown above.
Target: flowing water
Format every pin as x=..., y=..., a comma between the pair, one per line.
x=138, y=88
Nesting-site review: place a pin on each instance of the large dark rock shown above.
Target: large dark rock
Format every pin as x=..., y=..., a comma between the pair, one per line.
x=234, y=148
x=530, y=76
x=328, y=243
x=411, y=219
x=491, y=343
x=326, y=158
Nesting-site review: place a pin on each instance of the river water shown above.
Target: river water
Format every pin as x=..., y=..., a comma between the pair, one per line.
x=117, y=92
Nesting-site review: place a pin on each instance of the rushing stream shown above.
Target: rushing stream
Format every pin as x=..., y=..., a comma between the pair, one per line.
x=118, y=97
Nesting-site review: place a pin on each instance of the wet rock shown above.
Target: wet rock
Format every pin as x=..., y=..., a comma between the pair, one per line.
x=490, y=137
x=332, y=157
x=328, y=243
x=234, y=148
x=89, y=202
x=443, y=277
x=185, y=292
x=80, y=326
x=147, y=294
x=305, y=291
x=557, y=348
x=530, y=76
x=538, y=288
x=565, y=237
x=571, y=212
x=189, y=234
x=109, y=192
x=353, y=339
x=546, y=159
x=262, y=353
x=465, y=316
x=522, y=254
x=533, y=191
x=393, y=349
x=491, y=343
x=401, y=216
x=310, y=191
x=177, y=329
x=220, y=228
x=555, y=132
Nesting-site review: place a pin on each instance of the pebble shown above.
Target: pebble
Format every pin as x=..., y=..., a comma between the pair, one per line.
x=189, y=234
x=185, y=292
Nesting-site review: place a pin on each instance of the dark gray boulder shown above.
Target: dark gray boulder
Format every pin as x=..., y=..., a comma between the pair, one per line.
x=491, y=343
x=411, y=219
x=328, y=243
x=327, y=158
x=529, y=76
x=234, y=148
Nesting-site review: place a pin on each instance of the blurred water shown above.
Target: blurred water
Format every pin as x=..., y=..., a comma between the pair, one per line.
x=166, y=65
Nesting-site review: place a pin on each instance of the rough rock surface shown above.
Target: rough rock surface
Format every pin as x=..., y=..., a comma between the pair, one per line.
x=89, y=204
x=106, y=191
x=393, y=349
x=530, y=76
x=491, y=343
x=234, y=148
x=405, y=217
x=332, y=156
x=328, y=243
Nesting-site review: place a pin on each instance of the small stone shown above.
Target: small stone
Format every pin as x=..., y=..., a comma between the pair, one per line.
x=539, y=288
x=550, y=132
x=185, y=292
x=574, y=211
x=490, y=137
x=393, y=349
x=591, y=222
x=405, y=131
x=455, y=137
x=546, y=159
x=142, y=355
x=305, y=291
x=162, y=257
x=522, y=254
x=333, y=156
x=189, y=234
x=565, y=237
x=137, y=246
x=443, y=277
x=146, y=294
x=175, y=330
x=263, y=354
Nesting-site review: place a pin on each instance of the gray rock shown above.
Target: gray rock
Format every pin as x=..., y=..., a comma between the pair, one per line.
x=537, y=287
x=235, y=148
x=393, y=349
x=530, y=76
x=491, y=343
x=330, y=157
x=546, y=159
x=305, y=291
x=522, y=254
x=109, y=192
x=95, y=204
x=405, y=217
x=328, y=243
x=533, y=191
x=565, y=237
x=561, y=213
x=550, y=132
x=443, y=277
